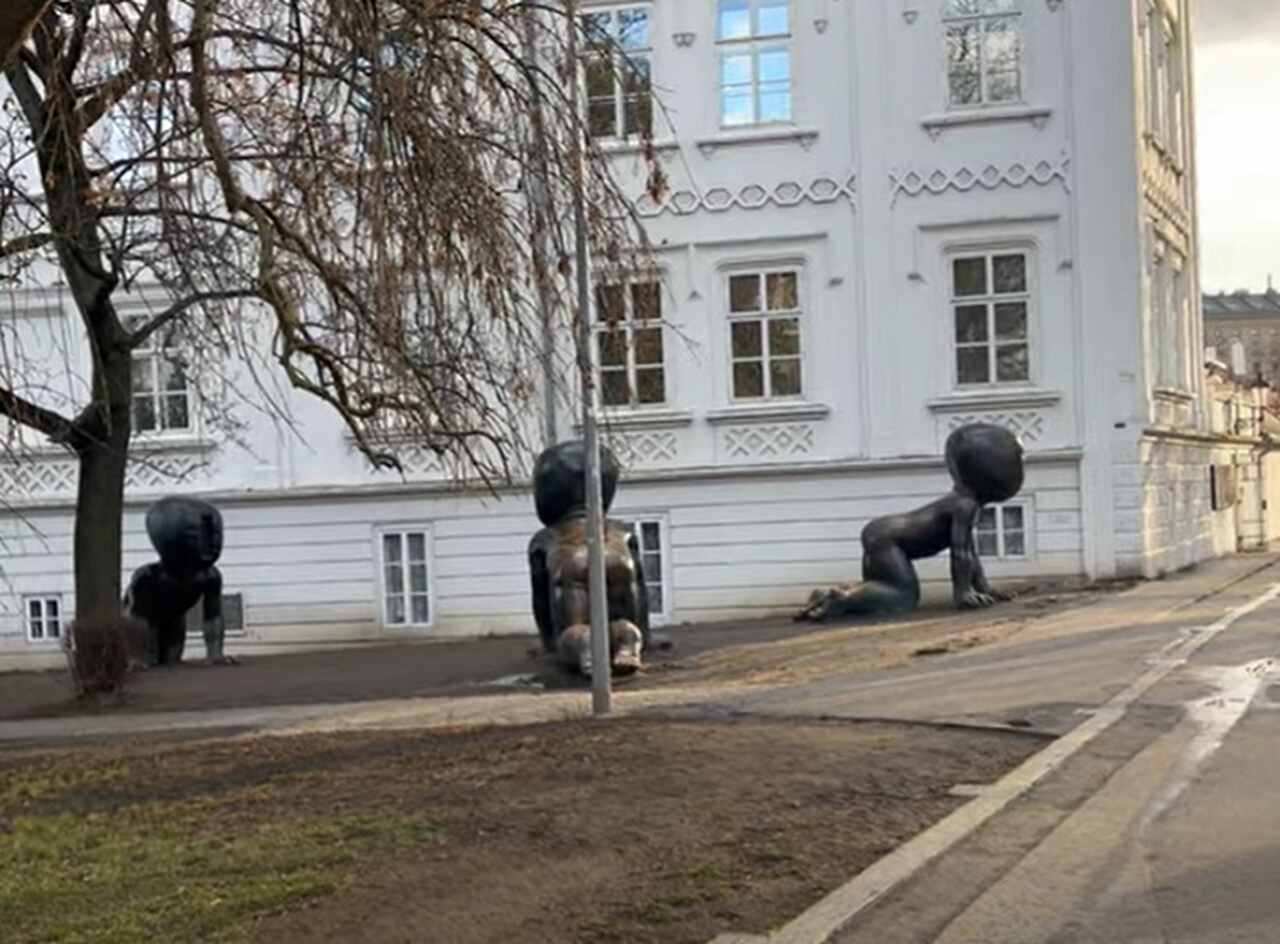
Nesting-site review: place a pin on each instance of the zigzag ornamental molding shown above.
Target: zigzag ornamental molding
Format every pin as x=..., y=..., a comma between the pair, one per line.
x=645, y=448
x=912, y=183
x=159, y=471
x=1027, y=426
x=789, y=193
x=769, y=442
x=38, y=478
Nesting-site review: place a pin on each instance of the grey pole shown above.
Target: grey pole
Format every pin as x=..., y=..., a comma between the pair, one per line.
x=601, y=694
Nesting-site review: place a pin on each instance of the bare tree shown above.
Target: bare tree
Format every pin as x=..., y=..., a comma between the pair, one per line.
x=17, y=19
x=347, y=176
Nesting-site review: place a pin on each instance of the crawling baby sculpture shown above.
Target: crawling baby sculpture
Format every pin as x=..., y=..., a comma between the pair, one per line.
x=187, y=534
x=986, y=466
x=558, y=568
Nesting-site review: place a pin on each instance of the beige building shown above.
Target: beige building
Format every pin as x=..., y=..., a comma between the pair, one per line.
x=1242, y=330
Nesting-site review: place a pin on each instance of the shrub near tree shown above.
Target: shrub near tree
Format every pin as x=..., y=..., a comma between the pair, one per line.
x=366, y=200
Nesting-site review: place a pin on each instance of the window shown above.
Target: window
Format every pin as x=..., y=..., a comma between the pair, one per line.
x=406, y=597
x=764, y=334
x=161, y=389
x=629, y=343
x=1001, y=531
x=44, y=619
x=984, y=52
x=649, y=533
x=1168, y=315
x=753, y=37
x=618, y=72
x=1164, y=80
x=990, y=302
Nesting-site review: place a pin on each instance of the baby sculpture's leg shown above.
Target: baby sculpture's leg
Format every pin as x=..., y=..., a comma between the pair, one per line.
x=572, y=606
x=889, y=585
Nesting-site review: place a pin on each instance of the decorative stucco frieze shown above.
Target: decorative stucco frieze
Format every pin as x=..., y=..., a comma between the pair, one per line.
x=1027, y=425
x=780, y=441
x=646, y=448
x=913, y=183
x=753, y=196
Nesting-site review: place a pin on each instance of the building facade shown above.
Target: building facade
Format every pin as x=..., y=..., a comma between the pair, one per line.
x=1242, y=329
x=886, y=219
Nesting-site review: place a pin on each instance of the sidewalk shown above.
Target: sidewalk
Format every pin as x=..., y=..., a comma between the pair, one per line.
x=448, y=684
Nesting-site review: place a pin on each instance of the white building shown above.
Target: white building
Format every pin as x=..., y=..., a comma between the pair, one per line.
x=887, y=218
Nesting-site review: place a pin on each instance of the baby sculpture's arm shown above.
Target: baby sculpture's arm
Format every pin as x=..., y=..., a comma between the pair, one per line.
x=968, y=582
x=539, y=585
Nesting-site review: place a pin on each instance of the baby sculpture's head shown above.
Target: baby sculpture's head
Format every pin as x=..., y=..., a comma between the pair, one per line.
x=186, y=533
x=559, y=480
x=985, y=461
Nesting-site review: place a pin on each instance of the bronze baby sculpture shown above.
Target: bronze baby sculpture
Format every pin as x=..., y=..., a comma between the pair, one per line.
x=187, y=534
x=986, y=465
x=558, y=568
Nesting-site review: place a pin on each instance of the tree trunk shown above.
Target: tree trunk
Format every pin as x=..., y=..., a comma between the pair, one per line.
x=100, y=497
x=17, y=17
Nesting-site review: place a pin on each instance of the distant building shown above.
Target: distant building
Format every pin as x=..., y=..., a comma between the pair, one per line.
x=1243, y=331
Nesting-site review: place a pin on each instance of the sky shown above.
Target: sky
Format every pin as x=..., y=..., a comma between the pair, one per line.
x=1237, y=89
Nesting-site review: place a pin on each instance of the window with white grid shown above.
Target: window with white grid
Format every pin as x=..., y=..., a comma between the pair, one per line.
x=406, y=594
x=44, y=618
x=629, y=343
x=649, y=534
x=984, y=52
x=753, y=40
x=1001, y=531
x=618, y=71
x=990, y=312
x=161, y=384
x=764, y=334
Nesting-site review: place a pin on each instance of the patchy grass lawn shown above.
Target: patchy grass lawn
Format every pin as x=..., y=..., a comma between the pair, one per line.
x=635, y=830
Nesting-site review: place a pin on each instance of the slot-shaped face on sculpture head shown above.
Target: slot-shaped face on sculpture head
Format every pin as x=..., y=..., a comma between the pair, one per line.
x=985, y=461
x=186, y=533
x=559, y=480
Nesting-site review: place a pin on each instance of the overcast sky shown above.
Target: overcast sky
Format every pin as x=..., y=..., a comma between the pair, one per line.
x=1238, y=142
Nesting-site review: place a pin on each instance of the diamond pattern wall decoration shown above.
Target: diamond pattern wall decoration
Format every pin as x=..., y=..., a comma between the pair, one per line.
x=785, y=440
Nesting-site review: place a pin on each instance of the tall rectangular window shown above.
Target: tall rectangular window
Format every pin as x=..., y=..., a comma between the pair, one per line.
x=618, y=72
x=161, y=388
x=629, y=343
x=1002, y=531
x=764, y=334
x=754, y=42
x=990, y=307
x=984, y=52
x=649, y=534
x=406, y=595
x=44, y=618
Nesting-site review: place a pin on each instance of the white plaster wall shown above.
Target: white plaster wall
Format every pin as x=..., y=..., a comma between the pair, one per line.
x=738, y=546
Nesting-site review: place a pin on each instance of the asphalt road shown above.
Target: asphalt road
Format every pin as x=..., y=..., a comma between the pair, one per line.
x=1163, y=829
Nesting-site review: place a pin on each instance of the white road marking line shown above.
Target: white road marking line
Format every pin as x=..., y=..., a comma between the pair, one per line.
x=828, y=916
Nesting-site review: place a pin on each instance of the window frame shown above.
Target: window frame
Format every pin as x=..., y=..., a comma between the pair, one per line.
x=404, y=530
x=152, y=354
x=1017, y=16
x=1029, y=296
x=634, y=520
x=764, y=316
x=1001, y=531
x=620, y=61
x=629, y=325
x=43, y=600
x=755, y=44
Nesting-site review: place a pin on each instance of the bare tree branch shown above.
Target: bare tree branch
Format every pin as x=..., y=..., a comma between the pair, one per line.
x=17, y=19
x=139, y=337
x=39, y=418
